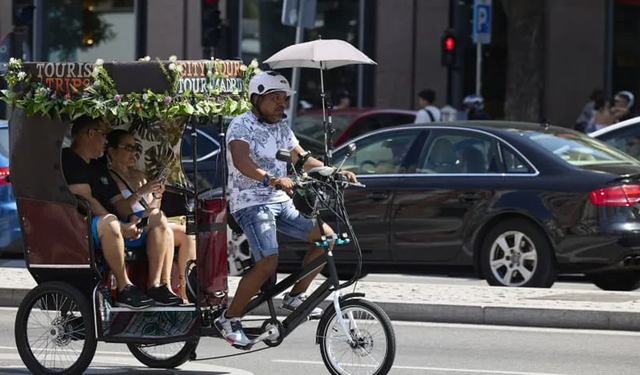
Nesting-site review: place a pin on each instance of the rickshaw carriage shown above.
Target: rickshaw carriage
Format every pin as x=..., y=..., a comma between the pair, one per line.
x=158, y=101
x=56, y=224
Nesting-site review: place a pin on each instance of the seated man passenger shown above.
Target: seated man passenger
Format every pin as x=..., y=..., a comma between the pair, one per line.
x=114, y=223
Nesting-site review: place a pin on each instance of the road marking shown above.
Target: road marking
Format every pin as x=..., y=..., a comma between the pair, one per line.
x=489, y=327
x=440, y=369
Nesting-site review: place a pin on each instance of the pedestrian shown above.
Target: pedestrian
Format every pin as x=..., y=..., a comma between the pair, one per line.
x=586, y=115
x=602, y=115
x=622, y=104
x=428, y=111
x=473, y=106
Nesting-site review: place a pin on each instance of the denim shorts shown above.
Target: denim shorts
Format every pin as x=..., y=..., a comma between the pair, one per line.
x=127, y=242
x=260, y=223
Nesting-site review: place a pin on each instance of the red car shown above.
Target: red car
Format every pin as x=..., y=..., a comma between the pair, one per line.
x=348, y=124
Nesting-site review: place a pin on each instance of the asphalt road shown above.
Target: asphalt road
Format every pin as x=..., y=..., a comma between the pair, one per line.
x=423, y=348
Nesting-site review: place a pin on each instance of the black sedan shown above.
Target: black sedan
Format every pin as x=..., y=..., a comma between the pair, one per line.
x=516, y=204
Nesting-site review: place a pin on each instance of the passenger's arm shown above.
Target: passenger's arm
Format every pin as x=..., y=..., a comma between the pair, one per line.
x=122, y=206
x=241, y=157
x=84, y=190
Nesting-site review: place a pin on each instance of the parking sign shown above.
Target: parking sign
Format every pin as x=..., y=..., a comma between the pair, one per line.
x=482, y=21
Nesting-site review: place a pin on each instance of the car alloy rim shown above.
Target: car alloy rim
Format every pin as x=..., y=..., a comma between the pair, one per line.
x=513, y=258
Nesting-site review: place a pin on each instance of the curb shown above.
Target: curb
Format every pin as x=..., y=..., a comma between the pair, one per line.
x=519, y=316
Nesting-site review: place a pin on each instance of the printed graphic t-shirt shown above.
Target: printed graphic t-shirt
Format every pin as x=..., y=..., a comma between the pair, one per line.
x=264, y=141
x=95, y=174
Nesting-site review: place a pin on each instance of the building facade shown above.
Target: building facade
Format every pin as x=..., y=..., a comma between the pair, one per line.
x=589, y=44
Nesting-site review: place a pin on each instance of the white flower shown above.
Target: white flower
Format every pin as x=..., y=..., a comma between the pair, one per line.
x=173, y=58
x=96, y=83
x=257, y=71
x=21, y=76
x=172, y=66
x=96, y=71
x=99, y=62
x=180, y=68
x=12, y=60
x=243, y=68
x=147, y=58
x=254, y=63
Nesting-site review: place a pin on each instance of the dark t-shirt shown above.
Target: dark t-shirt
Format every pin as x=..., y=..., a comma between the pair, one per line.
x=96, y=174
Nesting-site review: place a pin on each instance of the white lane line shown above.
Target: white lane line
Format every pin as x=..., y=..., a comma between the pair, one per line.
x=488, y=327
x=440, y=369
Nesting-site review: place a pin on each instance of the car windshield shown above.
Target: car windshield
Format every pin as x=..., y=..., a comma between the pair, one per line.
x=313, y=127
x=578, y=149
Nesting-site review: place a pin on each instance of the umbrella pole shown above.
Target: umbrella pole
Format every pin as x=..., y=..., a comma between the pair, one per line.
x=326, y=120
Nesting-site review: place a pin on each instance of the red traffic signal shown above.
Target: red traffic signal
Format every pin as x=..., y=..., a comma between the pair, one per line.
x=449, y=43
x=448, y=49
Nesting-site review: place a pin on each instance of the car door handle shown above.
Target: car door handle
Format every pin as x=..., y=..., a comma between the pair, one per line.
x=469, y=197
x=378, y=195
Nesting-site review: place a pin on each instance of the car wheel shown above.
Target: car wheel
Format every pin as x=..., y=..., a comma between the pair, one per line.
x=617, y=281
x=517, y=253
x=238, y=253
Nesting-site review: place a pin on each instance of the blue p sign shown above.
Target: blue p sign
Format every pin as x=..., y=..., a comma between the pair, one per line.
x=482, y=21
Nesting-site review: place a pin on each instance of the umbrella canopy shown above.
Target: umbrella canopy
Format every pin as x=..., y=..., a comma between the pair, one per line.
x=319, y=54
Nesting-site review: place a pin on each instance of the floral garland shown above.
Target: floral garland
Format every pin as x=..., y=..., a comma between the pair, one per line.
x=101, y=99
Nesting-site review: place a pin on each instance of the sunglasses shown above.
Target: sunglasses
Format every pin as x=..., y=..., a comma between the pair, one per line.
x=130, y=148
x=101, y=132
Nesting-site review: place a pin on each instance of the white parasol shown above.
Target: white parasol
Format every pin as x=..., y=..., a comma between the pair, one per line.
x=320, y=54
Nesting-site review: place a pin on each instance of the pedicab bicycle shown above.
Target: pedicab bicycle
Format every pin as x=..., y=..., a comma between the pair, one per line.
x=75, y=303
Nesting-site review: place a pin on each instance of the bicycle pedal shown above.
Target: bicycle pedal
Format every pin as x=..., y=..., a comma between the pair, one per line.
x=241, y=347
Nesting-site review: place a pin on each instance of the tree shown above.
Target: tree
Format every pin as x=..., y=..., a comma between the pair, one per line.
x=525, y=60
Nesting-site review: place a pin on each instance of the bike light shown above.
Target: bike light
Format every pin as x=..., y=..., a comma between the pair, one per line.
x=621, y=195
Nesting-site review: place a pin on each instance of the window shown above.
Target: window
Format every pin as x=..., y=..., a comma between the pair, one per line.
x=451, y=152
x=263, y=34
x=375, y=122
x=626, y=140
x=514, y=163
x=312, y=125
x=578, y=149
x=85, y=30
x=207, y=144
x=379, y=154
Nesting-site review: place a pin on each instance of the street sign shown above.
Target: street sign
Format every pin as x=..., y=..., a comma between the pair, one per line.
x=290, y=13
x=482, y=21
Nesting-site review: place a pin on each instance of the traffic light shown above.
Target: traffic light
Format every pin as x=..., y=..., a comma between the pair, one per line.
x=211, y=23
x=449, y=48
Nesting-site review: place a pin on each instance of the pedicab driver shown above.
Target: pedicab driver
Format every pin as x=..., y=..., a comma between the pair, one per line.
x=260, y=209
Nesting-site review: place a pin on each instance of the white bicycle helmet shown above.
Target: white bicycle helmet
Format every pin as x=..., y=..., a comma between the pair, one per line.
x=269, y=81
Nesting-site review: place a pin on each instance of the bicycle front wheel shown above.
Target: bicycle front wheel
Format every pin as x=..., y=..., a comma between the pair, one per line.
x=374, y=342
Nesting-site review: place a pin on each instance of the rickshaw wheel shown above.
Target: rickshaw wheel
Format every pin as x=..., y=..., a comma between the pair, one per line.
x=142, y=354
x=371, y=331
x=65, y=324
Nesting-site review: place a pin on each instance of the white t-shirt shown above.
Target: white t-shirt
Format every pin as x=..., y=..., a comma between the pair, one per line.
x=422, y=116
x=264, y=141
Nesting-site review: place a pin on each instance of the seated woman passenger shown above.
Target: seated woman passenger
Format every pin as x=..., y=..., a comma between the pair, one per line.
x=142, y=194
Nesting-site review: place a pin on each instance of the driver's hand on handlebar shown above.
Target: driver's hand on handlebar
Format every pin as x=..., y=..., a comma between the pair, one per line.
x=282, y=183
x=351, y=177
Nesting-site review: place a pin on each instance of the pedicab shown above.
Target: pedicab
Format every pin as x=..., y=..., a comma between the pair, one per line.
x=60, y=321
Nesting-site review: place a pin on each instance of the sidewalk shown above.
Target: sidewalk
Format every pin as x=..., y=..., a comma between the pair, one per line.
x=559, y=308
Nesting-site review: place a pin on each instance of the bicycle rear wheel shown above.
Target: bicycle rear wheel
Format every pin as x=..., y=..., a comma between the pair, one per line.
x=374, y=349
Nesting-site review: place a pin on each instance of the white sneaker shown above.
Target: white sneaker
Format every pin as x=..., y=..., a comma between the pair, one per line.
x=231, y=330
x=290, y=303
